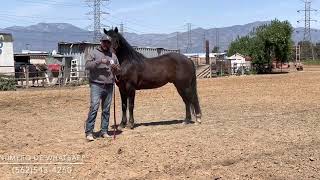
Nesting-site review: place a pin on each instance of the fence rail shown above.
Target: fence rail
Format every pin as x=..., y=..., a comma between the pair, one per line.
x=26, y=78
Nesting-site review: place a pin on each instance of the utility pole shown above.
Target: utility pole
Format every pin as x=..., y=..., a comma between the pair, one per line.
x=204, y=42
x=189, y=45
x=28, y=46
x=177, y=40
x=97, y=13
x=298, y=54
x=217, y=39
x=307, y=26
x=207, y=52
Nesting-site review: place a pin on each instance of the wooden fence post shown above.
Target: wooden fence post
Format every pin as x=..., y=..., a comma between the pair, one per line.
x=59, y=77
x=210, y=62
x=27, y=76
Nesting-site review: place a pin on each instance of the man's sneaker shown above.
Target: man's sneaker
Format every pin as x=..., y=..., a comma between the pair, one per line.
x=106, y=135
x=90, y=137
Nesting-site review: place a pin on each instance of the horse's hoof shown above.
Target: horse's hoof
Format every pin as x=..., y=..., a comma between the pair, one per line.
x=198, y=121
x=186, y=122
x=131, y=125
x=122, y=125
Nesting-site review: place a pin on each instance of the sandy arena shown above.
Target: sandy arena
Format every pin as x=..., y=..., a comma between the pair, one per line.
x=254, y=127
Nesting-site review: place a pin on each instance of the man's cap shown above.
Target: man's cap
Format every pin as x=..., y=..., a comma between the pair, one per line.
x=105, y=38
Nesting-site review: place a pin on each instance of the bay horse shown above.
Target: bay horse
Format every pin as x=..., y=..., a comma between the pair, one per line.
x=139, y=72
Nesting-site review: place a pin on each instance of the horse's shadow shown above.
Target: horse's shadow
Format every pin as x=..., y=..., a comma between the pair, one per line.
x=161, y=123
x=156, y=123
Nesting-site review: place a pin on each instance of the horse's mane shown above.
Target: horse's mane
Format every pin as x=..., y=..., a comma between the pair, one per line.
x=129, y=52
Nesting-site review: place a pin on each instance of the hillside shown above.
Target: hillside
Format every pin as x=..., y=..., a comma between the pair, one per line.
x=45, y=36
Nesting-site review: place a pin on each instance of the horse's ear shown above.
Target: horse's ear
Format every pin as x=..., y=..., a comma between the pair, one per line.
x=105, y=31
x=116, y=30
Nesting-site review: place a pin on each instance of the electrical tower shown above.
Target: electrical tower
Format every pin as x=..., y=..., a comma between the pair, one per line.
x=121, y=29
x=97, y=13
x=307, y=26
x=189, y=45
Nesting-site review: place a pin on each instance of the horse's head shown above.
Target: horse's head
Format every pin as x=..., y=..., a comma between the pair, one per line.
x=115, y=38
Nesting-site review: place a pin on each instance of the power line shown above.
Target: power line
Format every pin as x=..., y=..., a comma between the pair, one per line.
x=125, y=27
x=51, y=3
x=37, y=18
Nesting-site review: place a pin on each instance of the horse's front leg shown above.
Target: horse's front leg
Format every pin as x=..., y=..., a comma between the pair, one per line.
x=132, y=95
x=124, y=103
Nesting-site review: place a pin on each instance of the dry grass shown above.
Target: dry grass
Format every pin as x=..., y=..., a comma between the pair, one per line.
x=254, y=127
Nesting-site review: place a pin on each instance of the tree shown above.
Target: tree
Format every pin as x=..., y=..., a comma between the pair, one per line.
x=215, y=49
x=317, y=50
x=240, y=45
x=266, y=43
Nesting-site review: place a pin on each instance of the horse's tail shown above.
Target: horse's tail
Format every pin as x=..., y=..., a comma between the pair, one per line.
x=195, y=105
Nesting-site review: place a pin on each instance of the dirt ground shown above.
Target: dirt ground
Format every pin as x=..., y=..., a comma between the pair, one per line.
x=254, y=127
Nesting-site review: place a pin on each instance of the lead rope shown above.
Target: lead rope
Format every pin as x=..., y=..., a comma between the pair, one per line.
x=115, y=128
x=114, y=113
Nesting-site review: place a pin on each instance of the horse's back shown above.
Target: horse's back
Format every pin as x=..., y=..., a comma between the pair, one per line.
x=171, y=59
x=171, y=67
x=173, y=55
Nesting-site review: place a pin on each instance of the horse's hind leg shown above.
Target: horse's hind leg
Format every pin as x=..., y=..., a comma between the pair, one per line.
x=124, y=103
x=186, y=101
x=132, y=95
x=192, y=97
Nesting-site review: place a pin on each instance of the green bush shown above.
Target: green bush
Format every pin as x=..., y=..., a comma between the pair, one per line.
x=78, y=83
x=311, y=62
x=7, y=84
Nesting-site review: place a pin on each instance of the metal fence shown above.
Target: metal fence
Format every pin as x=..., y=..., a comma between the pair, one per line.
x=26, y=78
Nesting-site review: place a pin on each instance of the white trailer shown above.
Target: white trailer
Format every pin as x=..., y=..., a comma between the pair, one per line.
x=6, y=54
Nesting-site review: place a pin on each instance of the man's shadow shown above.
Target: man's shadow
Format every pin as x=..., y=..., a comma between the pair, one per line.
x=111, y=132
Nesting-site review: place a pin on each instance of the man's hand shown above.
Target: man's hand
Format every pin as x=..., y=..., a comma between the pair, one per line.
x=105, y=61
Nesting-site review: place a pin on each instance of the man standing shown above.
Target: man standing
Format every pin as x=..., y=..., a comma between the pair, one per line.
x=102, y=65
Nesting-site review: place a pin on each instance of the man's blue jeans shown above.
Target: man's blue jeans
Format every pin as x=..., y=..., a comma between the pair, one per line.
x=99, y=93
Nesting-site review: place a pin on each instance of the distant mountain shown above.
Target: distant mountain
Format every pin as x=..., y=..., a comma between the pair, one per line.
x=45, y=36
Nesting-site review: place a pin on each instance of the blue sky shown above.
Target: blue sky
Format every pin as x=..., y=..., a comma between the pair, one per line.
x=154, y=16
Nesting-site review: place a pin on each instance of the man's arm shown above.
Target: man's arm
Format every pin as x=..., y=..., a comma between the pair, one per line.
x=91, y=63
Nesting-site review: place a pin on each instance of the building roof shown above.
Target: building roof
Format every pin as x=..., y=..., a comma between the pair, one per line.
x=61, y=56
x=235, y=56
x=203, y=55
x=97, y=44
x=30, y=54
x=78, y=43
